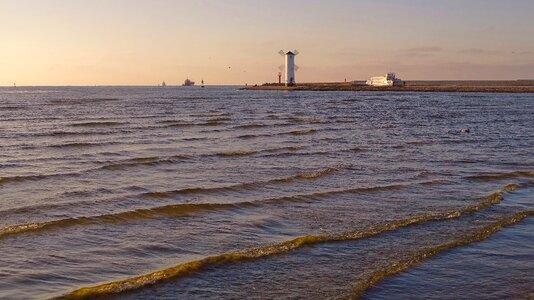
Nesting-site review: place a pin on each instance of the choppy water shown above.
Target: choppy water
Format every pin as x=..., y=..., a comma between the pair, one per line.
x=178, y=193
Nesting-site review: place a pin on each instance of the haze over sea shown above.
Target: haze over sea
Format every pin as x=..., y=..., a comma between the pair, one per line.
x=189, y=193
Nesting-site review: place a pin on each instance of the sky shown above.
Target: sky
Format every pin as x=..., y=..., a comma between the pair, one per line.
x=139, y=42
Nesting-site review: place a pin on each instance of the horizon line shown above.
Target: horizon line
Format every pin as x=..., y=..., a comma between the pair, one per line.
x=240, y=84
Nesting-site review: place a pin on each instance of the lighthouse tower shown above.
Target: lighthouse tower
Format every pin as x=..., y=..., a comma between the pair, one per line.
x=290, y=68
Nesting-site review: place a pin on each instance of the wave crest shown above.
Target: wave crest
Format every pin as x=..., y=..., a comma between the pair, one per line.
x=97, y=124
x=403, y=265
x=309, y=240
x=242, y=186
x=303, y=132
x=502, y=176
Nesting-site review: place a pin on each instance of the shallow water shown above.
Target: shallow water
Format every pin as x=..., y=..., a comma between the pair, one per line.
x=216, y=192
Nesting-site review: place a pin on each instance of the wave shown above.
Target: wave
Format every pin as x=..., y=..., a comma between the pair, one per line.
x=188, y=98
x=501, y=176
x=5, y=108
x=220, y=119
x=97, y=124
x=185, y=269
x=190, y=124
x=174, y=121
x=176, y=210
x=209, y=115
x=140, y=214
x=251, y=126
x=303, y=132
x=236, y=153
x=179, y=125
x=60, y=133
x=294, y=133
x=82, y=100
x=120, y=165
x=420, y=143
x=251, y=136
x=24, y=178
x=241, y=186
x=288, y=148
x=272, y=151
x=212, y=123
x=4, y=180
x=195, y=139
x=145, y=161
x=154, y=161
x=81, y=145
x=403, y=265
x=325, y=152
x=304, y=120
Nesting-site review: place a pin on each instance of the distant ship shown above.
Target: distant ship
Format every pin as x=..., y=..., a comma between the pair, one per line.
x=163, y=84
x=202, y=83
x=388, y=80
x=188, y=82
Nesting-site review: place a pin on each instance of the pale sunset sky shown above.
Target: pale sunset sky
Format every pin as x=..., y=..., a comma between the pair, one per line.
x=133, y=42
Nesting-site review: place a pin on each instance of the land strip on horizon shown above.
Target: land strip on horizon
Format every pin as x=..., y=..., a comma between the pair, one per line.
x=501, y=86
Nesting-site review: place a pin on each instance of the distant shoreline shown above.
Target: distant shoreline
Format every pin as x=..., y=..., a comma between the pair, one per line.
x=516, y=86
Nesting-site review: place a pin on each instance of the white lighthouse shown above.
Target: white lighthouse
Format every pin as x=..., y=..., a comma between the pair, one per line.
x=290, y=66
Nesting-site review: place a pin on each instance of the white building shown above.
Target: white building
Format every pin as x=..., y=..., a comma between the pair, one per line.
x=388, y=80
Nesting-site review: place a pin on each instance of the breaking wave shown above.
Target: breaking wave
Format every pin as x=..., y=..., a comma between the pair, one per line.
x=177, y=209
x=403, y=265
x=310, y=240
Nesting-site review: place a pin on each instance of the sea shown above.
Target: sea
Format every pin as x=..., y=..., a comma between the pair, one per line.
x=222, y=193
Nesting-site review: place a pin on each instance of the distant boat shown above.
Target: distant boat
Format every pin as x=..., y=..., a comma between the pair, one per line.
x=388, y=80
x=188, y=82
x=202, y=83
x=163, y=84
